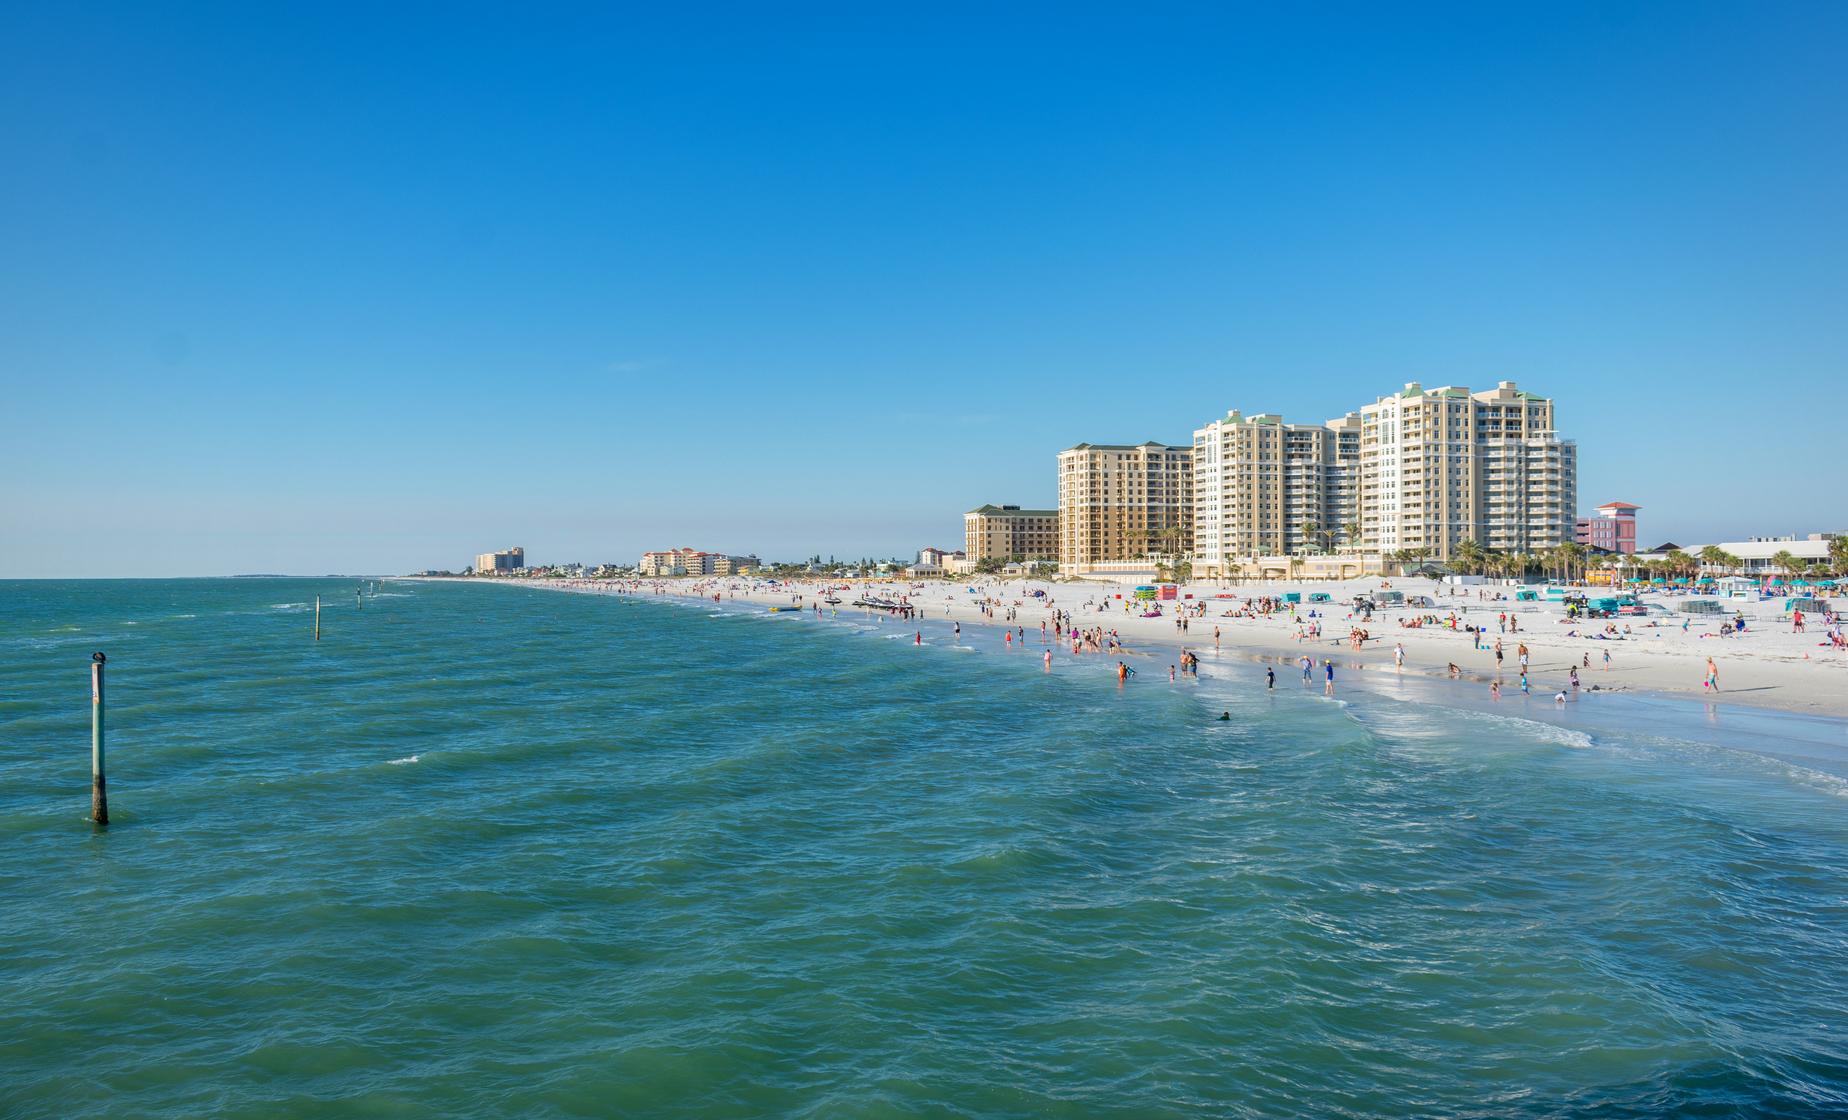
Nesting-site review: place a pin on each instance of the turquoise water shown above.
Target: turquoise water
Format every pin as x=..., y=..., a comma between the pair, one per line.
x=486, y=851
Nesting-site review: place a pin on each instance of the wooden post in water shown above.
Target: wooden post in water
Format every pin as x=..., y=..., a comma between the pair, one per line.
x=99, y=796
x=317, y=618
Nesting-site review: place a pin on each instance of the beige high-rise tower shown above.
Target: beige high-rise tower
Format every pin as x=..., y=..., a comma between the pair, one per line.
x=1121, y=503
x=1441, y=466
x=1264, y=488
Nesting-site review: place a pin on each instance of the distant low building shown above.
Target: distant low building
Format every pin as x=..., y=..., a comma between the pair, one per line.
x=1612, y=528
x=693, y=562
x=512, y=560
x=734, y=565
x=1756, y=555
x=939, y=557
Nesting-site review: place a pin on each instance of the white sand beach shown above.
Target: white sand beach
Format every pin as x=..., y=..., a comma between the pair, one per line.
x=1768, y=665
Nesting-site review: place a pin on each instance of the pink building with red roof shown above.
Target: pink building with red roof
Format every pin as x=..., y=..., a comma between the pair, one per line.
x=1612, y=528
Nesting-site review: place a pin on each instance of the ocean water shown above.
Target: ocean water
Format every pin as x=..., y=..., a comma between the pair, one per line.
x=487, y=851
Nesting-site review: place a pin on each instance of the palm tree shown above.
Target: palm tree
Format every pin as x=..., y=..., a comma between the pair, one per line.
x=1712, y=555
x=1785, y=561
x=1310, y=530
x=1838, y=555
x=1166, y=540
x=1470, y=557
x=1572, y=555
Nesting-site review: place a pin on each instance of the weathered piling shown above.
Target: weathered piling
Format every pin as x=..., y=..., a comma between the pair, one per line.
x=317, y=618
x=99, y=795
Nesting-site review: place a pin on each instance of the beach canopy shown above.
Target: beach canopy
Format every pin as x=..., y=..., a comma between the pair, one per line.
x=1704, y=579
x=1658, y=579
x=1799, y=583
x=1825, y=583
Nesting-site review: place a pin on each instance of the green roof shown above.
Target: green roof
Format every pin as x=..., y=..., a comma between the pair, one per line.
x=1130, y=446
x=996, y=511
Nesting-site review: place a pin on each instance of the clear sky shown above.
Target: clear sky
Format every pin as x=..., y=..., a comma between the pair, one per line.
x=366, y=289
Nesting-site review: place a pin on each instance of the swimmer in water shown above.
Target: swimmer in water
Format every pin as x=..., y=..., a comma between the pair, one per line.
x=1225, y=717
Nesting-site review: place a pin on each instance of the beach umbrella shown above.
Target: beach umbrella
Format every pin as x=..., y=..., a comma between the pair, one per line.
x=1777, y=579
x=1658, y=579
x=1799, y=583
x=1704, y=579
x=1825, y=583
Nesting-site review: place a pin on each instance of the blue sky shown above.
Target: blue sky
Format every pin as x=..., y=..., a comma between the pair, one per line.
x=368, y=289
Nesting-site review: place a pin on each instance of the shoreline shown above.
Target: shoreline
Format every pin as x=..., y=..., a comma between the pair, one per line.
x=1771, y=680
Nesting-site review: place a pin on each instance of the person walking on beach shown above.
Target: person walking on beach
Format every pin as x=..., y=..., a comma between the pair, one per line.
x=1713, y=678
x=1498, y=655
x=1607, y=660
x=1398, y=656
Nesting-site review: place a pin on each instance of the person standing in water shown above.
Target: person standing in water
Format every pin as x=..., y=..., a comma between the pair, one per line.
x=1270, y=677
x=1328, y=677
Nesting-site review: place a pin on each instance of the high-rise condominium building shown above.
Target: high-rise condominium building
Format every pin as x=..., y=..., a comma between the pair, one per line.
x=511, y=560
x=1441, y=466
x=1118, y=502
x=1266, y=488
x=1006, y=532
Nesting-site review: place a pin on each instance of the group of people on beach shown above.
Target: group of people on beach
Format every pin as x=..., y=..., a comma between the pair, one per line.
x=1059, y=630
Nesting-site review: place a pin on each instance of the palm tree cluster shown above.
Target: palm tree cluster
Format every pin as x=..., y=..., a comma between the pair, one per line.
x=1565, y=562
x=1678, y=564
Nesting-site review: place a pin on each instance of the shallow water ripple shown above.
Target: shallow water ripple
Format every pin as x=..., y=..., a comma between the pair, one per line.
x=485, y=851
